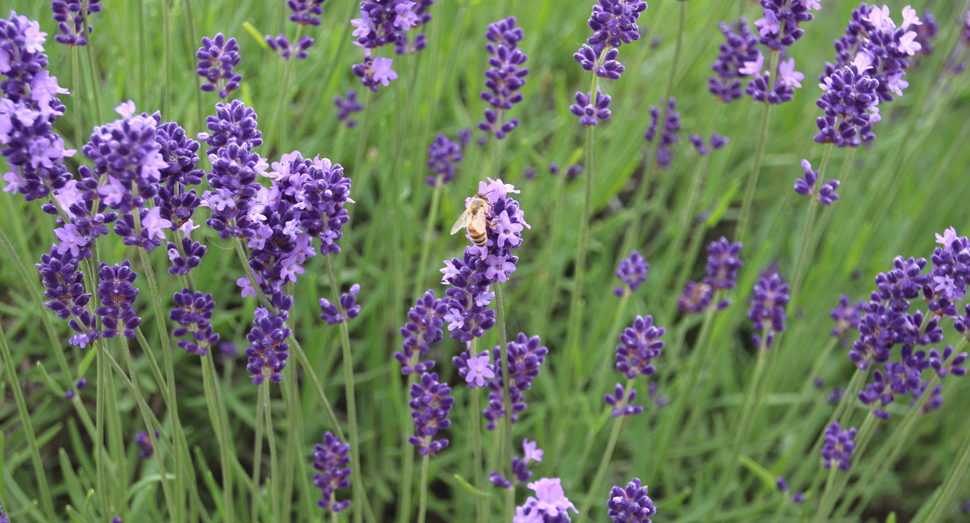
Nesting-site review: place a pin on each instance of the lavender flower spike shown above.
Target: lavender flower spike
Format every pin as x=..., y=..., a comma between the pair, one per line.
x=505, y=76
x=806, y=186
x=430, y=404
x=590, y=111
x=632, y=272
x=767, y=312
x=268, y=353
x=330, y=460
x=346, y=107
x=217, y=57
x=641, y=343
x=117, y=296
x=549, y=505
x=723, y=264
x=444, y=156
x=70, y=16
x=630, y=504
x=622, y=402
x=838, y=447
x=422, y=330
x=525, y=358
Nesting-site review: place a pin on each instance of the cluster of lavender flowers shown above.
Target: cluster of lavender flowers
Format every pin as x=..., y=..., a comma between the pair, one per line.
x=176, y=204
x=632, y=272
x=740, y=47
x=668, y=136
x=779, y=29
x=717, y=141
x=71, y=17
x=888, y=322
x=144, y=443
x=387, y=22
x=330, y=460
x=526, y=357
x=630, y=504
x=269, y=350
x=303, y=13
x=520, y=467
x=348, y=303
x=430, y=404
x=767, y=313
x=806, y=186
x=422, y=330
x=640, y=344
x=28, y=109
x=472, y=276
x=347, y=106
x=722, y=269
x=614, y=23
x=193, y=312
x=217, y=58
x=846, y=316
x=505, y=76
x=117, y=296
x=64, y=287
x=444, y=155
x=871, y=60
x=549, y=505
x=839, y=447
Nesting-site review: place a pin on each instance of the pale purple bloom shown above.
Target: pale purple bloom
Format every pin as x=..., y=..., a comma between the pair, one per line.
x=289, y=272
x=44, y=89
x=551, y=497
x=862, y=63
x=71, y=240
x=910, y=18
x=896, y=84
x=154, y=224
x=454, y=319
x=188, y=227
x=383, y=72
x=263, y=233
x=755, y=67
x=949, y=236
x=768, y=24
x=13, y=179
x=33, y=37
x=881, y=19
x=531, y=451
x=247, y=286
x=113, y=192
x=478, y=370
x=362, y=26
x=789, y=76
x=499, y=268
x=908, y=43
x=406, y=18
x=507, y=230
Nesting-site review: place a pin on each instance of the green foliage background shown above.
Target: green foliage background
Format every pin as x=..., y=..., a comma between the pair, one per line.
x=910, y=183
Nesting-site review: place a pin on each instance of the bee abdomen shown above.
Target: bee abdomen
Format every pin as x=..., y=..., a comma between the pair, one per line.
x=479, y=239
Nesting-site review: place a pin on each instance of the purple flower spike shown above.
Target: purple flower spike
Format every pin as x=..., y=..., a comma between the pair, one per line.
x=525, y=359
x=193, y=313
x=767, y=312
x=850, y=103
x=520, y=467
x=614, y=23
x=641, y=343
x=632, y=272
x=740, y=47
x=838, y=447
x=504, y=78
x=117, y=296
x=269, y=351
x=346, y=107
x=621, y=401
x=444, y=156
x=422, y=330
x=281, y=44
x=330, y=460
x=781, y=484
x=630, y=504
x=549, y=505
x=144, y=442
x=64, y=288
x=846, y=316
x=70, y=16
x=430, y=404
x=695, y=298
x=780, y=26
x=306, y=12
x=723, y=264
x=668, y=137
x=954, y=367
x=217, y=57
x=590, y=112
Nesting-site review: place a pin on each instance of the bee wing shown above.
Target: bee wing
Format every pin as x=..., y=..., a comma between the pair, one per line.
x=462, y=222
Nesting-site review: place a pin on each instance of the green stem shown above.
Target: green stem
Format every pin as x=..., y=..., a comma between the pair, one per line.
x=510, y=504
x=166, y=57
x=275, y=479
x=802, y=259
x=169, y=369
x=193, y=41
x=756, y=172
x=603, y=355
x=35, y=297
x=361, y=148
x=257, y=461
x=294, y=345
x=476, y=413
x=592, y=494
x=949, y=487
x=279, y=125
x=99, y=440
x=404, y=514
x=747, y=415
x=428, y=232
x=844, y=173
x=423, y=500
x=149, y=426
x=684, y=393
x=348, y=364
x=503, y=342
x=219, y=423
x=95, y=87
x=15, y=383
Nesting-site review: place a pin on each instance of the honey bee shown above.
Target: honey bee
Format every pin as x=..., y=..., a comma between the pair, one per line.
x=475, y=219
